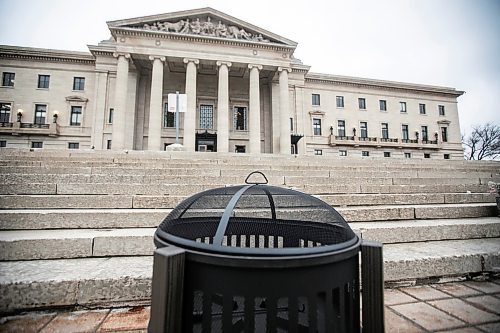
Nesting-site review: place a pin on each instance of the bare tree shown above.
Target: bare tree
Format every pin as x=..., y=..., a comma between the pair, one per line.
x=483, y=142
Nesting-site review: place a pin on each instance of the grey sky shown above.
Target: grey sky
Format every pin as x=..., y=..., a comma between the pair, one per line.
x=453, y=43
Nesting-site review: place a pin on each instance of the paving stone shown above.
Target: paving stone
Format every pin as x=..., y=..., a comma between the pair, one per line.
x=485, y=287
x=456, y=289
x=427, y=316
x=442, y=258
x=463, y=330
x=466, y=312
x=469, y=197
x=396, y=324
x=455, y=211
x=30, y=323
x=126, y=319
x=490, y=328
x=65, y=201
x=76, y=322
x=427, y=230
x=80, y=218
x=425, y=293
x=486, y=303
x=394, y=296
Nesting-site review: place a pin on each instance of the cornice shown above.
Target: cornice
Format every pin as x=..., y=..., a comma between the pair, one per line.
x=380, y=84
x=199, y=39
x=29, y=53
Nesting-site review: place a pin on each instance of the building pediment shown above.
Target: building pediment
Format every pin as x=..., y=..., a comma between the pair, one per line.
x=200, y=23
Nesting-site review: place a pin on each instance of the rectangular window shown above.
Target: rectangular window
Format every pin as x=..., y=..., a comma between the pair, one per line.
x=110, y=115
x=3, y=143
x=168, y=117
x=240, y=118
x=316, y=126
x=402, y=106
x=383, y=105
x=364, y=129
x=108, y=144
x=73, y=145
x=407, y=155
x=318, y=152
x=427, y=155
x=441, y=110
x=342, y=152
x=385, y=130
x=341, y=128
x=406, y=134
x=421, y=107
x=444, y=134
x=291, y=124
x=5, y=112
x=362, y=103
x=40, y=113
x=37, y=144
x=446, y=156
x=78, y=83
x=43, y=81
x=8, y=79
x=76, y=116
x=425, y=134
x=206, y=116
x=315, y=100
x=387, y=154
x=340, y=101
x=365, y=153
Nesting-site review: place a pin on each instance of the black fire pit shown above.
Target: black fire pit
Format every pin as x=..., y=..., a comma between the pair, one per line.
x=260, y=258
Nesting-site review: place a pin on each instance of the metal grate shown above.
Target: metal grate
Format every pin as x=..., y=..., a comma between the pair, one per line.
x=255, y=219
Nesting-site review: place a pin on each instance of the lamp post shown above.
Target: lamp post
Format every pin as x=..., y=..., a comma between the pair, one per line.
x=436, y=135
x=331, y=130
x=54, y=116
x=19, y=115
x=416, y=135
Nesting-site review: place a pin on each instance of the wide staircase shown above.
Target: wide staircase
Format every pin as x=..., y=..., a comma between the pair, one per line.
x=76, y=227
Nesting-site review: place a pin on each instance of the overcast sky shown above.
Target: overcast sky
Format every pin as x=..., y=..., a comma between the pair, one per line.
x=453, y=43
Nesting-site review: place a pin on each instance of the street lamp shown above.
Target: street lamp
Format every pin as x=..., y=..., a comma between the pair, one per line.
x=54, y=116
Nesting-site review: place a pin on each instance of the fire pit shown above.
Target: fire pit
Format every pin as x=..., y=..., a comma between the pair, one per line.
x=256, y=258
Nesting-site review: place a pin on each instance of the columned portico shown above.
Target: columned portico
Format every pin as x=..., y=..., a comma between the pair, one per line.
x=285, y=143
x=155, y=106
x=223, y=107
x=254, y=114
x=190, y=116
x=120, y=103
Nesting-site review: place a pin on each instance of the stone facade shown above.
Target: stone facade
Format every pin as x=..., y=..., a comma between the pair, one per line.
x=245, y=93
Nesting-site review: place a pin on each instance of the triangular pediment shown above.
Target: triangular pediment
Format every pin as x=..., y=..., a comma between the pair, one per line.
x=203, y=22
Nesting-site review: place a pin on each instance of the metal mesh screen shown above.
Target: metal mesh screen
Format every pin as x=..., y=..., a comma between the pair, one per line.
x=263, y=217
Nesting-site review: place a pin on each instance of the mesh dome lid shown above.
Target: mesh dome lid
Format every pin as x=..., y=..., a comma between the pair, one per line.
x=255, y=219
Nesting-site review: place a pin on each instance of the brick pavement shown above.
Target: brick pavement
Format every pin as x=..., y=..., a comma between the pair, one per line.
x=459, y=307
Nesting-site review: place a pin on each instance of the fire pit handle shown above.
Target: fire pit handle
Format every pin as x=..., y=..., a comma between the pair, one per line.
x=256, y=183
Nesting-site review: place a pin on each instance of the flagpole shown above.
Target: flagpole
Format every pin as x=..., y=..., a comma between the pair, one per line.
x=177, y=117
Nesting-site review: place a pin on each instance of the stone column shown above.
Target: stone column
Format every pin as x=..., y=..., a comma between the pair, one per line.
x=285, y=142
x=121, y=85
x=223, y=107
x=155, y=104
x=190, y=115
x=254, y=112
x=100, y=92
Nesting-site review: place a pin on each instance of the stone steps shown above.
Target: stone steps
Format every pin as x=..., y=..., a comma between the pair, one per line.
x=94, y=218
x=81, y=243
x=178, y=189
x=243, y=171
x=118, y=280
x=97, y=201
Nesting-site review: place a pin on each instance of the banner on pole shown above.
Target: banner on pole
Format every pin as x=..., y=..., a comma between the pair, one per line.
x=172, y=102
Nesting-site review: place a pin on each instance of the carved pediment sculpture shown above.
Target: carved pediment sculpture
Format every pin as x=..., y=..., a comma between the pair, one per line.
x=204, y=27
